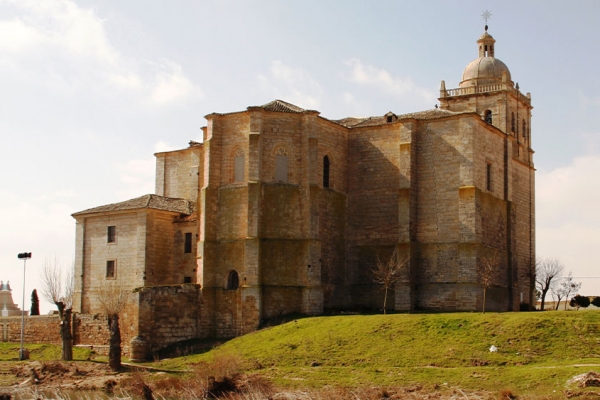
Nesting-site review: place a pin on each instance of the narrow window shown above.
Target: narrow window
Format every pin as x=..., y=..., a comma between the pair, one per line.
x=110, y=269
x=488, y=116
x=239, y=166
x=512, y=122
x=488, y=177
x=188, y=243
x=111, y=236
x=524, y=130
x=326, y=171
x=233, y=281
x=187, y=279
x=281, y=165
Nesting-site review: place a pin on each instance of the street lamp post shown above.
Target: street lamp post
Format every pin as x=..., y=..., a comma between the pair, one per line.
x=24, y=257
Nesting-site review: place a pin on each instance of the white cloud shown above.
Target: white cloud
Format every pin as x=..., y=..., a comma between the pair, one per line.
x=380, y=79
x=137, y=177
x=56, y=43
x=568, y=217
x=162, y=146
x=170, y=83
x=293, y=85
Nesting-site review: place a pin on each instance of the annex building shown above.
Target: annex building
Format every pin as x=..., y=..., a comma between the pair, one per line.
x=280, y=210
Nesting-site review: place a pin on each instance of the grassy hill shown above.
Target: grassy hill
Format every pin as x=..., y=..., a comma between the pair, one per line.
x=537, y=352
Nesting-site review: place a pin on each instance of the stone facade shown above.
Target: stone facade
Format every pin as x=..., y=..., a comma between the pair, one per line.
x=288, y=212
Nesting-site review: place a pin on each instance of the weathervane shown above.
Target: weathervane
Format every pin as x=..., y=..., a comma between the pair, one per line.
x=485, y=16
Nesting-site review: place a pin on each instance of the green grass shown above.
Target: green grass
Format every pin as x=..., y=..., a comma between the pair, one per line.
x=40, y=352
x=537, y=352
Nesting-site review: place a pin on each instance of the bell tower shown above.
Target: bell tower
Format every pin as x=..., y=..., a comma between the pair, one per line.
x=502, y=143
x=487, y=89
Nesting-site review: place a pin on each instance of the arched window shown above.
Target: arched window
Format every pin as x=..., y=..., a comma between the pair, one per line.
x=326, y=165
x=487, y=116
x=239, y=166
x=512, y=122
x=233, y=280
x=281, y=165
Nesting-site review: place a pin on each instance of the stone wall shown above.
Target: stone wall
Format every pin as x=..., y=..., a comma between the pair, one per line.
x=38, y=329
x=89, y=330
x=177, y=172
x=168, y=314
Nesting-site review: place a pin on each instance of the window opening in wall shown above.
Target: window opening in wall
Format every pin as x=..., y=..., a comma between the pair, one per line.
x=111, y=236
x=233, y=280
x=326, y=171
x=524, y=130
x=512, y=122
x=488, y=176
x=281, y=165
x=239, y=166
x=188, y=243
x=487, y=116
x=110, y=268
x=187, y=279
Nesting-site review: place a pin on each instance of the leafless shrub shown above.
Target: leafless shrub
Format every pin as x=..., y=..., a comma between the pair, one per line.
x=487, y=268
x=57, y=288
x=547, y=273
x=388, y=272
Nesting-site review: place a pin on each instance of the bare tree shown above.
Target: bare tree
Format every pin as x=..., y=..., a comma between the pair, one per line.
x=57, y=288
x=113, y=299
x=567, y=287
x=547, y=272
x=388, y=273
x=487, y=268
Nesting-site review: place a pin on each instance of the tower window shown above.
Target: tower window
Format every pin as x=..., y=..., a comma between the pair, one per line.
x=110, y=269
x=487, y=116
x=111, y=235
x=233, y=281
x=326, y=171
x=524, y=130
x=488, y=176
x=188, y=243
x=512, y=122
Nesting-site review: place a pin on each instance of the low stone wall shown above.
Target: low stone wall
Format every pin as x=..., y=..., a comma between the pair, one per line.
x=37, y=329
x=88, y=331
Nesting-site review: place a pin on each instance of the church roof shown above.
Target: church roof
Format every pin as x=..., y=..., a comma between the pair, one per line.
x=149, y=201
x=357, y=122
x=281, y=106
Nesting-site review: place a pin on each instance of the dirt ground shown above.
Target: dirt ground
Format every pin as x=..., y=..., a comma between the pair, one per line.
x=54, y=379
x=36, y=376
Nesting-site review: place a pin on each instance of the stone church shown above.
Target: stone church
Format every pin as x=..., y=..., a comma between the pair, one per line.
x=280, y=210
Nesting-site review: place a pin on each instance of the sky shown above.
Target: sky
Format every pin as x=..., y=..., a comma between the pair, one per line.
x=89, y=91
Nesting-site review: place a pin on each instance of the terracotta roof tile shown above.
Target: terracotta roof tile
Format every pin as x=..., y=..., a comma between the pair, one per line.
x=357, y=122
x=153, y=201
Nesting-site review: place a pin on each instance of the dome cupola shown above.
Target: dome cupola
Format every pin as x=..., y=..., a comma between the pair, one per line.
x=486, y=69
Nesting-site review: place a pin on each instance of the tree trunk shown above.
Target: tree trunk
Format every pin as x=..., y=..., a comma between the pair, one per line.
x=543, y=299
x=114, y=348
x=385, y=300
x=65, y=331
x=484, y=300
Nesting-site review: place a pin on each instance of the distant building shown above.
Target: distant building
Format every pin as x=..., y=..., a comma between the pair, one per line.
x=282, y=211
x=9, y=308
